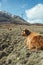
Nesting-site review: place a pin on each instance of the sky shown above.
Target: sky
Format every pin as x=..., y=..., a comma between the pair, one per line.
x=30, y=10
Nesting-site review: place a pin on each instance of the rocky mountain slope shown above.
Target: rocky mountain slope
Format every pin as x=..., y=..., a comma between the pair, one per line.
x=6, y=17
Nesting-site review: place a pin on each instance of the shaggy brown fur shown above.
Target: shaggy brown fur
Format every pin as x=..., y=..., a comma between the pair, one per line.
x=33, y=40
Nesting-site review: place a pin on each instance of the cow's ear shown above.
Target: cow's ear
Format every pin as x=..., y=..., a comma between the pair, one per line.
x=27, y=32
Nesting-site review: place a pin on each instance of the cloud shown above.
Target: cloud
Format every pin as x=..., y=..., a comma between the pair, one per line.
x=35, y=14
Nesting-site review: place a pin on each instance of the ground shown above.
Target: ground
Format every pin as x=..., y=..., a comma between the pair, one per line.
x=12, y=49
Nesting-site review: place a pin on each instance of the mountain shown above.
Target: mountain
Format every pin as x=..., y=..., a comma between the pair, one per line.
x=6, y=17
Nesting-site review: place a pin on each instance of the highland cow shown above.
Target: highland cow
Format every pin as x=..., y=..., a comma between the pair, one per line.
x=34, y=41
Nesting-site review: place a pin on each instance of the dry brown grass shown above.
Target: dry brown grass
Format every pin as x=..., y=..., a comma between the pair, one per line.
x=12, y=49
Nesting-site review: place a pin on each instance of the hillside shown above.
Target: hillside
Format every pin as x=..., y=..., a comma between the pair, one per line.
x=6, y=17
x=12, y=49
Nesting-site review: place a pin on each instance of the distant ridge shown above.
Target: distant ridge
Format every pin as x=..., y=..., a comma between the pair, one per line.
x=6, y=17
x=37, y=24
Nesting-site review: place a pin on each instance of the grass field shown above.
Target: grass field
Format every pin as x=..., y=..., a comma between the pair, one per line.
x=12, y=49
